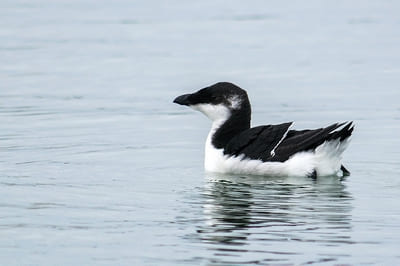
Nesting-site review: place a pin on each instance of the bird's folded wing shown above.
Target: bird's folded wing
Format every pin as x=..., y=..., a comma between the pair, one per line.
x=257, y=143
x=306, y=140
x=276, y=143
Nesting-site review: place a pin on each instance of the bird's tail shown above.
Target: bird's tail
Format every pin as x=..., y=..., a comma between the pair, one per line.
x=329, y=154
x=343, y=133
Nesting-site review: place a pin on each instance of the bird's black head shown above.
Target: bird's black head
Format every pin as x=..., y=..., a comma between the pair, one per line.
x=216, y=101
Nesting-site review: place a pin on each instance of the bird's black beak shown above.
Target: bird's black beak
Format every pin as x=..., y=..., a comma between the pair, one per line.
x=183, y=99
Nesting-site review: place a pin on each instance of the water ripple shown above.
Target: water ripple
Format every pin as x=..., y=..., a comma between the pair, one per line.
x=255, y=217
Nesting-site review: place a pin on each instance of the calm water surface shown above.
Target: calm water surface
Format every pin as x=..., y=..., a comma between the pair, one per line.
x=98, y=167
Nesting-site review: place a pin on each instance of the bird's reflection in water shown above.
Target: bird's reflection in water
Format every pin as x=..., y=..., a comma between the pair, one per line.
x=227, y=209
x=274, y=215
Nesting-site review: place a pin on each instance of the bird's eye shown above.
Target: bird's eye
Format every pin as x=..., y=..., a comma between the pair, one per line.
x=216, y=98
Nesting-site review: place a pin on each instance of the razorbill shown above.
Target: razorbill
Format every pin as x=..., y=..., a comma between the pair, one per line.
x=273, y=150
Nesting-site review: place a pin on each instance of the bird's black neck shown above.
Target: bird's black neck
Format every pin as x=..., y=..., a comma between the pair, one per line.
x=236, y=123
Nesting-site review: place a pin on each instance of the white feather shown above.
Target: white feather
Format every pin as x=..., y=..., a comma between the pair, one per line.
x=326, y=160
x=280, y=141
x=217, y=113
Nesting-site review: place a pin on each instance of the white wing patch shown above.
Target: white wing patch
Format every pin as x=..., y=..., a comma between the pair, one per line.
x=283, y=137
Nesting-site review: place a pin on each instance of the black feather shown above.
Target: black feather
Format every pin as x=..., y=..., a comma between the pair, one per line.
x=257, y=142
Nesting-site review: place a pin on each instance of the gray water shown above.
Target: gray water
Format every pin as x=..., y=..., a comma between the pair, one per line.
x=98, y=167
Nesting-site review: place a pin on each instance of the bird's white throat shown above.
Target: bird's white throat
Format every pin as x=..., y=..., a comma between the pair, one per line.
x=217, y=113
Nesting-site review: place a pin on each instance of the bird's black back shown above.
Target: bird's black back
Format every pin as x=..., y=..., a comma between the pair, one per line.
x=258, y=143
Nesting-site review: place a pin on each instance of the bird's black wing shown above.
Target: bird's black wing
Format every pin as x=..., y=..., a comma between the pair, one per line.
x=258, y=142
x=276, y=143
x=306, y=140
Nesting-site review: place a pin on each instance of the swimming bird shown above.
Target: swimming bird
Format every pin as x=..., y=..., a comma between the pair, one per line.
x=232, y=146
